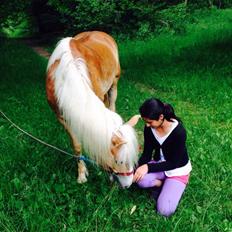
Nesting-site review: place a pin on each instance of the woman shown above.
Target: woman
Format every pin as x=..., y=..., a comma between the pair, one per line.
x=165, y=159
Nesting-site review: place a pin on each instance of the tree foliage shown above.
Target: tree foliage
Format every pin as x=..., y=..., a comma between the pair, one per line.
x=129, y=17
x=15, y=17
x=122, y=17
x=108, y=15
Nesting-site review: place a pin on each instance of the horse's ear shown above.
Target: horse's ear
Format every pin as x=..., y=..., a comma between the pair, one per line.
x=134, y=120
x=116, y=142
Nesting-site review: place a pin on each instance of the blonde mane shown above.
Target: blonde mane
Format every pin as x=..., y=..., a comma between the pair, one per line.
x=86, y=115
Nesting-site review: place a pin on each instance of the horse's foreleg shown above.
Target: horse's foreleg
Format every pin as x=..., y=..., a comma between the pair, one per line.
x=81, y=167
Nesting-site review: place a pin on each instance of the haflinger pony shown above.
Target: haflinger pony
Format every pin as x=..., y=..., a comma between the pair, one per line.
x=81, y=86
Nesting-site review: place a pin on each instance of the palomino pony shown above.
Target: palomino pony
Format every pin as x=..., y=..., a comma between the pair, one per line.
x=81, y=86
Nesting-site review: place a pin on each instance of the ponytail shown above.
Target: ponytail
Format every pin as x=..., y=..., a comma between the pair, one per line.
x=169, y=113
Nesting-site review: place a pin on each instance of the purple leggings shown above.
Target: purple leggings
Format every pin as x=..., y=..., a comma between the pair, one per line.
x=170, y=194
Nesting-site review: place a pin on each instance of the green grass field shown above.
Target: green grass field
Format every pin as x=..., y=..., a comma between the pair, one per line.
x=38, y=189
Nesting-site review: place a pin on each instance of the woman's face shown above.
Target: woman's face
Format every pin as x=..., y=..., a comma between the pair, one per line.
x=154, y=123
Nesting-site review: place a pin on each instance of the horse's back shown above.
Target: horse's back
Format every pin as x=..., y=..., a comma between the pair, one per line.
x=94, y=38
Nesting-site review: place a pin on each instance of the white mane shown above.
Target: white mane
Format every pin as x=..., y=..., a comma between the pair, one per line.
x=86, y=115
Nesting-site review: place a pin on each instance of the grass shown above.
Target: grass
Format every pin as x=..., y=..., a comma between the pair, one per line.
x=38, y=190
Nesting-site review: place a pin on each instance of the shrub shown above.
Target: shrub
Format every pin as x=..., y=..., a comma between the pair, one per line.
x=16, y=20
x=172, y=18
x=129, y=17
x=197, y=4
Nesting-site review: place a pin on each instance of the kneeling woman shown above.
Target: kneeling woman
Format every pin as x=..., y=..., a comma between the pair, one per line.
x=169, y=166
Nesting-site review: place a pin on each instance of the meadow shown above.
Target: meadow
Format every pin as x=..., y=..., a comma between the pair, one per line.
x=192, y=71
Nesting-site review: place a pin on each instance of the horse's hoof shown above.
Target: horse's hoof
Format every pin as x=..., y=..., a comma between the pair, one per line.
x=86, y=172
x=111, y=177
x=81, y=180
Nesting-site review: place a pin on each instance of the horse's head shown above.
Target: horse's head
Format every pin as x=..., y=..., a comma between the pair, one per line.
x=124, y=148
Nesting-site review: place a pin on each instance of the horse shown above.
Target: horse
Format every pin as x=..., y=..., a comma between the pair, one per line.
x=81, y=88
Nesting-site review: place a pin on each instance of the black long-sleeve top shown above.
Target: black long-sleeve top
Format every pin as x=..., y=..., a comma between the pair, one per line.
x=174, y=150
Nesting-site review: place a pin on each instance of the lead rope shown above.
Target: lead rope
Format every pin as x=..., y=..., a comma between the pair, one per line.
x=81, y=157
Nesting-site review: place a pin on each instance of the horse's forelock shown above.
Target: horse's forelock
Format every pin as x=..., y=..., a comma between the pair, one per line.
x=129, y=151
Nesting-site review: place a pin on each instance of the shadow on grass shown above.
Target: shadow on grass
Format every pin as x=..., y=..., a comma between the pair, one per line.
x=213, y=55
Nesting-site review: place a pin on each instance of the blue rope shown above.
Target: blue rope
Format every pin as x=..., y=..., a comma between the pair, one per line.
x=84, y=158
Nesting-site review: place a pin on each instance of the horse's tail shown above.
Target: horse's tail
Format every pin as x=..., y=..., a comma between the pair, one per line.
x=61, y=47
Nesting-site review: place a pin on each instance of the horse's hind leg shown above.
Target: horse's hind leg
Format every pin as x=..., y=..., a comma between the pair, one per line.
x=112, y=95
x=81, y=167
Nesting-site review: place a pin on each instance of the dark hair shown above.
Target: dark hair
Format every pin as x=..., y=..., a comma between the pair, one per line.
x=153, y=108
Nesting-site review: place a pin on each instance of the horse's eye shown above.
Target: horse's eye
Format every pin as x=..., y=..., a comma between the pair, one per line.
x=121, y=162
x=116, y=161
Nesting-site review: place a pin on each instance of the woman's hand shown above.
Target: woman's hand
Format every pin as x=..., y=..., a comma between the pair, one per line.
x=140, y=172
